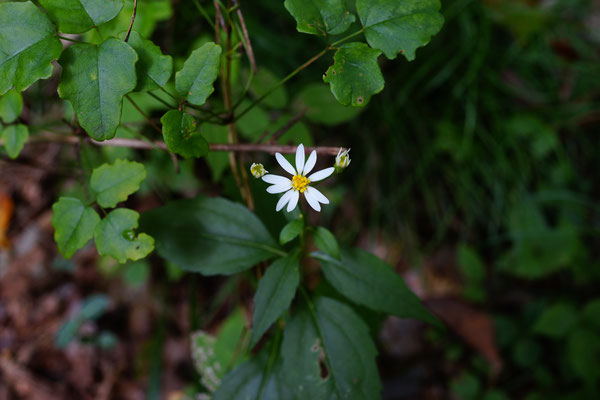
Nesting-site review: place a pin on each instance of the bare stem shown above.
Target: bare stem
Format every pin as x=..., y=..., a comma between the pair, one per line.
x=132, y=20
x=247, y=43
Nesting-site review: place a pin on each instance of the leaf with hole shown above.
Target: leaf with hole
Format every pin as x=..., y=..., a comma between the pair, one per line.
x=15, y=137
x=199, y=72
x=320, y=17
x=28, y=45
x=94, y=79
x=79, y=16
x=73, y=223
x=113, y=183
x=181, y=135
x=11, y=106
x=210, y=235
x=355, y=75
x=115, y=236
x=394, y=26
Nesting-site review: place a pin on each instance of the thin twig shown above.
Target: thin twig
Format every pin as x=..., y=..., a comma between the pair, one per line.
x=146, y=117
x=132, y=20
x=293, y=121
x=247, y=43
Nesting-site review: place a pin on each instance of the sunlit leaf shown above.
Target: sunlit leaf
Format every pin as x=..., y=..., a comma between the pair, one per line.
x=14, y=137
x=153, y=69
x=113, y=183
x=78, y=16
x=181, y=134
x=115, y=236
x=320, y=17
x=73, y=223
x=201, y=69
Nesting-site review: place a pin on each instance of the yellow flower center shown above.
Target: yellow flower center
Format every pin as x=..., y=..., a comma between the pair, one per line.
x=299, y=183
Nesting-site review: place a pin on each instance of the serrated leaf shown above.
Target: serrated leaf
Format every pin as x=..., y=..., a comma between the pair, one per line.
x=115, y=237
x=73, y=223
x=79, y=16
x=94, y=79
x=153, y=69
x=326, y=242
x=365, y=279
x=394, y=26
x=556, y=321
x=113, y=183
x=274, y=294
x=320, y=17
x=11, y=106
x=15, y=137
x=291, y=230
x=199, y=72
x=181, y=135
x=28, y=45
x=355, y=75
x=209, y=235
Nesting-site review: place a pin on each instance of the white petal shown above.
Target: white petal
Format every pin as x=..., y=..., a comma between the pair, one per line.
x=284, y=199
x=300, y=158
x=279, y=188
x=293, y=200
x=285, y=164
x=275, y=179
x=322, y=174
x=312, y=201
x=320, y=197
x=310, y=163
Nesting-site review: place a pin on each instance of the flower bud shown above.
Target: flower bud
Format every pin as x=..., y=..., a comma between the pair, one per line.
x=342, y=160
x=258, y=170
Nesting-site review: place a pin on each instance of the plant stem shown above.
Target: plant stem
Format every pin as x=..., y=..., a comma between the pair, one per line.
x=204, y=14
x=132, y=20
x=72, y=40
x=147, y=118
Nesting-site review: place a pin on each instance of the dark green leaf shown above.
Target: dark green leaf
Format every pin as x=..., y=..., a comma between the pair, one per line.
x=355, y=75
x=153, y=69
x=73, y=223
x=210, y=235
x=320, y=17
x=217, y=160
x=319, y=105
x=28, y=45
x=181, y=134
x=136, y=274
x=556, y=321
x=365, y=279
x=399, y=26
x=11, y=106
x=275, y=293
x=113, y=183
x=591, y=313
x=265, y=80
x=326, y=242
x=78, y=16
x=114, y=237
x=583, y=354
x=94, y=79
x=291, y=231
x=15, y=137
x=201, y=69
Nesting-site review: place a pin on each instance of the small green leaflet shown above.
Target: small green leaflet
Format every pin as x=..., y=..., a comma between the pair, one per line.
x=395, y=26
x=28, y=45
x=153, y=68
x=94, y=79
x=210, y=235
x=275, y=293
x=79, y=16
x=11, y=106
x=181, y=135
x=14, y=137
x=115, y=237
x=291, y=231
x=326, y=242
x=355, y=75
x=199, y=72
x=557, y=320
x=113, y=183
x=365, y=279
x=320, y=17
x=73, y=223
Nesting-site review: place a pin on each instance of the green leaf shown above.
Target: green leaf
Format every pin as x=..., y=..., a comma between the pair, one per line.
x=199, y=72
x=319, y=105
x=355, y=75
x=210, y=235
x=113, y=183
x=365, y=279
x=94, y=306
x=320, y=17
x=28, y=45
x=591, y=313
x=326, y=242
x=556, y=321
x=291, y=230
x=153, y=69
x=244, y=382
x=73, y=223
x=217, y=160
x=136, y=274
x=79, y=16
x=94, y=79
x=275, y=293
x=15, y=137
x=394, y=26
x=583, y=354
x=265, y=80
x=114, y=237
x=181, y=135
x=11, y=106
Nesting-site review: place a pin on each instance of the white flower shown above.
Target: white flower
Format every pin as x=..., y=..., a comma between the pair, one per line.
x=299, y=182
x=342, y=160
x=258, y=170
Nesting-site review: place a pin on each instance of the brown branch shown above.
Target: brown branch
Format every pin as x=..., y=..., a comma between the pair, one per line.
x=132, y=20
x=247, y=44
